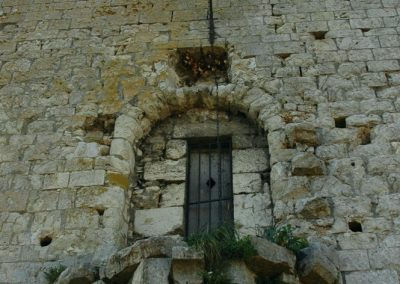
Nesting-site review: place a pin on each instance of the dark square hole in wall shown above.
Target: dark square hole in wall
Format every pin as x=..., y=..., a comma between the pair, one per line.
x=319, y=35
x=45, y=241
x=202, y=64
x=355, y=226
x=340, y=122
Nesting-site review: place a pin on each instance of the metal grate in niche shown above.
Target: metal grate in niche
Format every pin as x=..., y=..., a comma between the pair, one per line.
x=209, y=202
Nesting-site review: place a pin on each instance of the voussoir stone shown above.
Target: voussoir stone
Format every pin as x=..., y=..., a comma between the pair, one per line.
x=318, y=264
x=122, y=264
x=271, y=259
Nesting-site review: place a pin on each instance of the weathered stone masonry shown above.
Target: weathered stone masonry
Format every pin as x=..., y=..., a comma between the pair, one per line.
x=83, y=83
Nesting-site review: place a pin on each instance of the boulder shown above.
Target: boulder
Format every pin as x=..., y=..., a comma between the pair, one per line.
x=122, y=264
x=238, y=273
x=318, y=264
x=152, y=270
x=187, y=265
x=271, y=259
x=306, y=164
x=77, y=275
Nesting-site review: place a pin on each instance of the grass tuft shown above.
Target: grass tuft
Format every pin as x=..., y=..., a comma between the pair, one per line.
x=284, y=237
x=220, y=246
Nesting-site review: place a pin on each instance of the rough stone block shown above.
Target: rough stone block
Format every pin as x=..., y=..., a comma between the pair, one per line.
x=158, y=221
x=306, y=164
x=318, y=264
x=271, y=259
x=176, y=149
x=238, y=272
x=169, y=170
x=173, y=195
x=152, y=270
x=251, y=211
x=352, y=260
x=120, y=266
x=251, y=160
x=87, y=178
x=386, y=276
x=246, y=183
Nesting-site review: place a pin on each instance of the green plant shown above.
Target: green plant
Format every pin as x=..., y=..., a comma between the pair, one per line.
x=283, y=236
x=220, y=246
x=53, y=273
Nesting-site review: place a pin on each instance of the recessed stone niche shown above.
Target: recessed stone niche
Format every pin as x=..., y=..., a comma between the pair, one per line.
x=196, y=64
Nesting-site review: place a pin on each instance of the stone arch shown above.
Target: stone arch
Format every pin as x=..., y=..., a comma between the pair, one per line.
x=137, y=119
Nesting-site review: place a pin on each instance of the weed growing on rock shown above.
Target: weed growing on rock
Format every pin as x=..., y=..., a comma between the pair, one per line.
x=220, y=246
x=284, y=237
x=53, y=273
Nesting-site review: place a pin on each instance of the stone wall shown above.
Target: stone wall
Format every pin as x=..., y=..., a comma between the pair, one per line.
x=83, y=82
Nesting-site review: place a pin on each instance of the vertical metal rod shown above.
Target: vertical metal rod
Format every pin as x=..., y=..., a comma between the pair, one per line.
x=211, y=25
x=209, y=187
x=198, y=197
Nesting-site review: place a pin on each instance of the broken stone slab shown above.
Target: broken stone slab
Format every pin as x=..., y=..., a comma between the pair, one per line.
x=271, y=259
x=152, y=270
x=122, y=264
x=187, y=265
x=238, y=273
x=77, y=275
x=318, y=263
x=306, y=164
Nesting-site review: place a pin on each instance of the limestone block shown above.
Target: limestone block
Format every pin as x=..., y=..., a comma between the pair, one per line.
x=389, y=205
x=386, y=133
x=357, y=241
x=89, y=150
x=173, y=195
x=363, y=120
x=146, y=198
x=13, y=201
x=42, y=201
x=100, y=197
x=152, y=270
x=328, y=152
x=159, y=221
x=169, y=170
x=246, y=183
x=121, y=264
x=375, y=149
x=306, y=164
x=386, y=276
x=384, y=164
x=8, y=153
x=81, y=218
x=271, y=259
x=352, y=206
x=128, y=128
x=339, y=136
x=351, y=260
x=384, y=257
x=374, y=185
x=122, y=149
x=318, y=264
x=251, y=211
x=291, y=188
x=80, y=274
x=58, y=180
x=87, y=178
x=302, y=133
x=187, y=265
x=46, y=221
x=238, y=273
x=349, y=171
x=250, y=160
x=313, y=208
x=176, y=149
